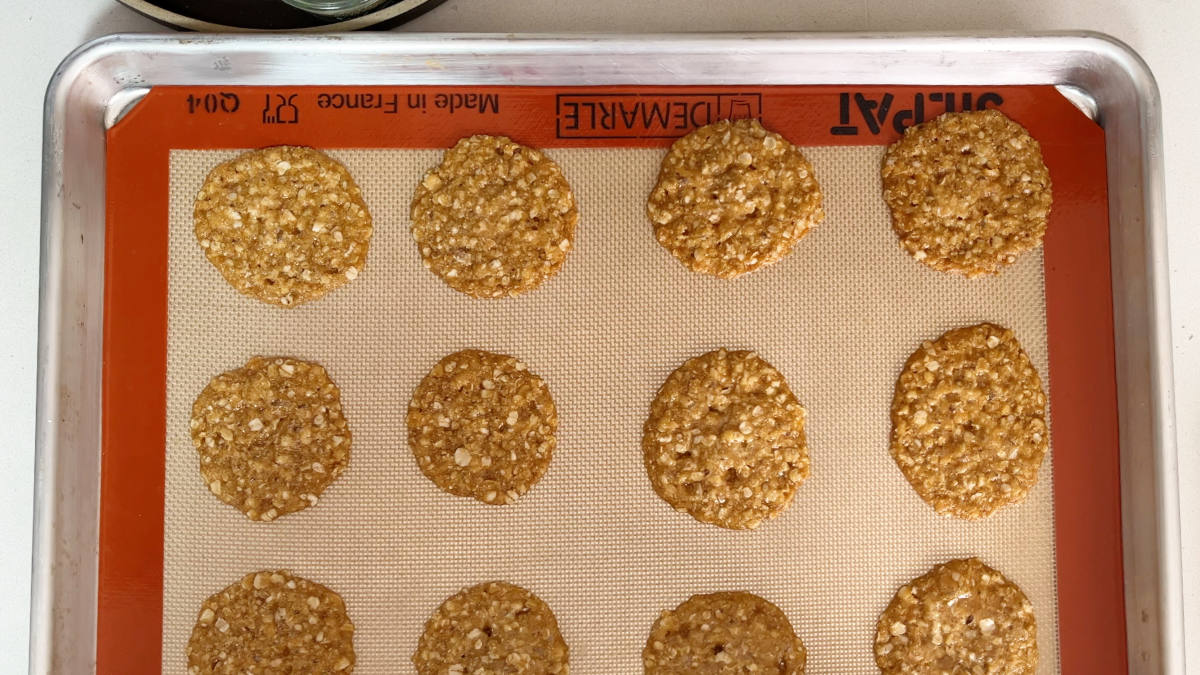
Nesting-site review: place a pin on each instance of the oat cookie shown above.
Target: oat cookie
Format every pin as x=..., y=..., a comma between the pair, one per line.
x=720, y=633
x=285, y=224
x=495, y=218
x=732, y=197
x=494, y=628
x=273, y=623
x=271, y=435
x=481, y=425
x=969, y=421
x=968, y=192
x=725, y=440
x=960, y=617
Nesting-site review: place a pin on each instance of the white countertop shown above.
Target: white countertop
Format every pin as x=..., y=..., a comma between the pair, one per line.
x=39, y=34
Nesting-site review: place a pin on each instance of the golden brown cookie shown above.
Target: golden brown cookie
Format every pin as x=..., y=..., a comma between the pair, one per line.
x=272, y=622
x=960, y=617
x=285, y=225
x=723, y=633
x=725, y=440
x=494, y=628
x=495, y=218
x=481, y=425
x=968, y=192
x=271, y=435
x=969, y=421
x=732, y=197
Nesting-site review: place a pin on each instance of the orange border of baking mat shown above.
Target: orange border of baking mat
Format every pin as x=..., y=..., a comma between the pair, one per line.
x=1078, y=286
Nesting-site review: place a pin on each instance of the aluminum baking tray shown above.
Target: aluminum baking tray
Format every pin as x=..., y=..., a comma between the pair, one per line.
x=103, y=80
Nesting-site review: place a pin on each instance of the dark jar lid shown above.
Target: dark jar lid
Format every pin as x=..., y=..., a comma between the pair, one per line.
x=281, y=15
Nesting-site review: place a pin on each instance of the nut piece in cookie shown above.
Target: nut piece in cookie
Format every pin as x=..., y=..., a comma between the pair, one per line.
x=968, y=192
x=723, y=633
x=732, y=197
x=272, y=622
x=271, y=435
x=960, y=617
x=481, y=425
x=495, y=628
x=495, y=218
x=725, y=440
x=284, y=225
x=969, y=421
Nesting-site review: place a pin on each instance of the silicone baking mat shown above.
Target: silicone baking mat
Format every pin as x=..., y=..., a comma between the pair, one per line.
x=838, y=318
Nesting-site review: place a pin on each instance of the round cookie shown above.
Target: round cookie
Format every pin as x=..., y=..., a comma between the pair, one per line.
x=495, y=218
x=732, y=197
x=271, y=435
x=481, y=425
x=968, y=192
x=969, y=421
x=272, y=622
x=285, y=224
x=730, y=632
x=725, y=440
x=495, y=628
x=960, y=617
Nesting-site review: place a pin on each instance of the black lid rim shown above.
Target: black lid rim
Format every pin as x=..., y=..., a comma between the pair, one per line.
x=384, y=17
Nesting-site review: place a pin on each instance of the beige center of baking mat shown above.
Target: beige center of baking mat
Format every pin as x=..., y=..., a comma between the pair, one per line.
x=838, y=317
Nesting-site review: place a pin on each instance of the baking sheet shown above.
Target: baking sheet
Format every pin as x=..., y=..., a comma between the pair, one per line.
x=838, y=318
